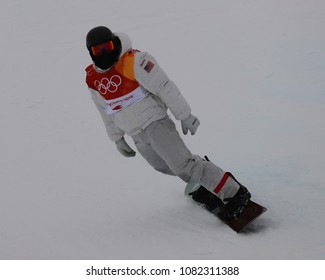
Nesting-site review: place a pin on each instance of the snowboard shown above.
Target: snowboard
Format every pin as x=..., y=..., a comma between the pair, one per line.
x=250, y=213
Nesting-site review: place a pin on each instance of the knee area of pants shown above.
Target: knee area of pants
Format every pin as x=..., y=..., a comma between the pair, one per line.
x=163, y=170
x=189, y=170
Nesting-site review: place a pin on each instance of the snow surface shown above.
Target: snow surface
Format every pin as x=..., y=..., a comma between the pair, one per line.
x=253, y=72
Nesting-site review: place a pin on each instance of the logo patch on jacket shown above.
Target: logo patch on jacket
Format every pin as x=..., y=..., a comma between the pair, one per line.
x=149, y=66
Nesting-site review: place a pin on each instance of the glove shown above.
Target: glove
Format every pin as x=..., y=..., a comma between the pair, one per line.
x=124, y=148
x=190, y=124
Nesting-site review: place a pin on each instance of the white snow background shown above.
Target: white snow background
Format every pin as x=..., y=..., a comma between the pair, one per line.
x=253, y=72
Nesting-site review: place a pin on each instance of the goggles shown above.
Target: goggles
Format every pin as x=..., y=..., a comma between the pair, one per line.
x=99, y=49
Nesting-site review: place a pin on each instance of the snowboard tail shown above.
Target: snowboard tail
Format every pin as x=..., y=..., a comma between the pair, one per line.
x=250, y=213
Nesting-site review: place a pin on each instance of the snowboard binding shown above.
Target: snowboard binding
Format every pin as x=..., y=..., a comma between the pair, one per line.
x=238, y=212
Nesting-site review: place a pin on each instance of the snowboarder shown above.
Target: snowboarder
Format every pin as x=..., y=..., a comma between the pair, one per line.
x=133, y=93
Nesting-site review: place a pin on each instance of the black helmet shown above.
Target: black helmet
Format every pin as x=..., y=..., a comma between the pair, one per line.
x=103, y=46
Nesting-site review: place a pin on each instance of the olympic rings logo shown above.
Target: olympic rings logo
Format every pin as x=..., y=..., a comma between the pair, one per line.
x=110, y=85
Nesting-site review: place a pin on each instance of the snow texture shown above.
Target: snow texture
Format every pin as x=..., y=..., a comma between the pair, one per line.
x=253, y=72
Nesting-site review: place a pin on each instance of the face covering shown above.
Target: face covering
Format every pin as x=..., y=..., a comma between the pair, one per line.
x=106, y=59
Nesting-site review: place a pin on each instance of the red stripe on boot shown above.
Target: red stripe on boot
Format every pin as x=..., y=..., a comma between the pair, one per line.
x=222, y=182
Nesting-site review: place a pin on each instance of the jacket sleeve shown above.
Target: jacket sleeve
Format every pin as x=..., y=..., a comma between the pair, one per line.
x=153, y=78
x=114, y=133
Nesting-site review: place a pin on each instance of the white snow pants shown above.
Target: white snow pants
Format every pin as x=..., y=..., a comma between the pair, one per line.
x=161, y=145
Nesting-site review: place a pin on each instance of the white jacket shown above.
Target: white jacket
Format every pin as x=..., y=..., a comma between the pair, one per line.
x=160, y=94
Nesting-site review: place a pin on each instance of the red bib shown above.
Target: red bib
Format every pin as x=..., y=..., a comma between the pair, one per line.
x=117, y=86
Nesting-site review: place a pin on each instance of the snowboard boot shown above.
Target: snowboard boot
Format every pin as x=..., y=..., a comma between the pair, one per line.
x=235, y=205
x=211, y=202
